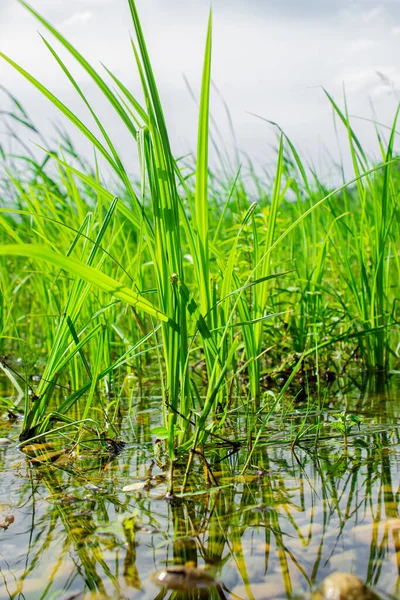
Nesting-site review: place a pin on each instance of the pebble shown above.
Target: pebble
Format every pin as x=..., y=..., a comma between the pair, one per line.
x=184, y=578
x=343, y=586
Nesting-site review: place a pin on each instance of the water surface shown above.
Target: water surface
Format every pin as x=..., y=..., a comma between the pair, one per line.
x=273, y=532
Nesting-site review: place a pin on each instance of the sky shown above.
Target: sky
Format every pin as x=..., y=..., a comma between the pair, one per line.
x=270, y=58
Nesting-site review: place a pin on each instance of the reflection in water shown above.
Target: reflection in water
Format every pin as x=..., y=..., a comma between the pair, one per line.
x=273, y=532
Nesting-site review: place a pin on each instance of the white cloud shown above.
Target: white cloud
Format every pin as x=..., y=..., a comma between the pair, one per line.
x=372, y=14
x=357, y=45
x=261, y=64
x=92, y=2
x=78, y=18
x=369, y=81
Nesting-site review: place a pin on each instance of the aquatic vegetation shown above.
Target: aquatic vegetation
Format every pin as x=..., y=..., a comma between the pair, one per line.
x=105, y=278
x=185, y=353
x=344, y=423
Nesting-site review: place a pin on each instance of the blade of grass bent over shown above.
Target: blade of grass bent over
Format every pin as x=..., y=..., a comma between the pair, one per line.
x=85, y=272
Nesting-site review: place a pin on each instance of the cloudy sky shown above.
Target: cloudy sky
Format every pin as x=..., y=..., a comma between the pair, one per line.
x=270, y=57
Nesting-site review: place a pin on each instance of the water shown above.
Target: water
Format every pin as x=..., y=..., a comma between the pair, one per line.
x=269, y=57
x=273, y=532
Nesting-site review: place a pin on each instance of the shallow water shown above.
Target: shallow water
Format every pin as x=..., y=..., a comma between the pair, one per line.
x=274, y=532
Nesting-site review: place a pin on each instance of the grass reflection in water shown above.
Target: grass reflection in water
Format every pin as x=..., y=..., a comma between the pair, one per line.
x=274, y=532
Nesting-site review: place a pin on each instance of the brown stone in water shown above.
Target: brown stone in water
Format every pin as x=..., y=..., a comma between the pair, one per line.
x=343, y=586
x=184, y=578
x=8, y=520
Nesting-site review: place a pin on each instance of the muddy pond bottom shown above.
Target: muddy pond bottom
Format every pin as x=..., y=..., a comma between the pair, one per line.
x=80, y=523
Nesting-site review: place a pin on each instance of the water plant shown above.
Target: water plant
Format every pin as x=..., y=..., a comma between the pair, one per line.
x=344, y=423
x=224, y=293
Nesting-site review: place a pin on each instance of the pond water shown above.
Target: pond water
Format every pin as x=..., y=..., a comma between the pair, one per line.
x=270, y=57
x=84, y=521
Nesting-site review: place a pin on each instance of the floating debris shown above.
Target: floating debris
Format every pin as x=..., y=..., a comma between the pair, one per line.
x=136, y=487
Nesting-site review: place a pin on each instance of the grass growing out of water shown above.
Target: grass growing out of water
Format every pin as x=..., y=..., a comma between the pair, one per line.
x=184, y=272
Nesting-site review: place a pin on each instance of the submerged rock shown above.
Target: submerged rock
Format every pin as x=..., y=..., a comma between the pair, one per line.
x=343, y=586
x=184, y=578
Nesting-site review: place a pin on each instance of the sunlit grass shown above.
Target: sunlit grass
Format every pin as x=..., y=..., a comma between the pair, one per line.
x=184, y=273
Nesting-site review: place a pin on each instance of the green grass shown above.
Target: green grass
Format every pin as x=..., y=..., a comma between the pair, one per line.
x=181, y=272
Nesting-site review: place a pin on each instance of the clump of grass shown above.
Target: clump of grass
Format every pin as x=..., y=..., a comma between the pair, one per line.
x=185, y=272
